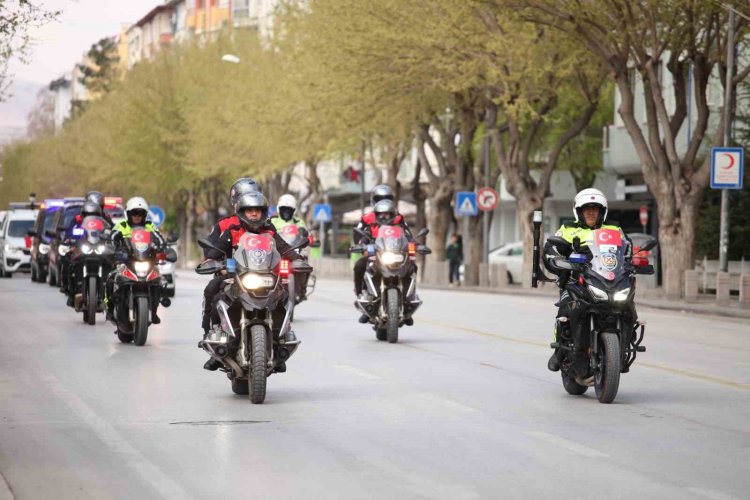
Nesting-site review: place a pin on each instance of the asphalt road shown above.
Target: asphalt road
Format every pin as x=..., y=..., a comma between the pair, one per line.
x=463, y=407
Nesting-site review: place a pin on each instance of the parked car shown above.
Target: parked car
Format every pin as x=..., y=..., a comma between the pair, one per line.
x=15, y=241
x=510, y=254
x=63, y=221
x=40, y=241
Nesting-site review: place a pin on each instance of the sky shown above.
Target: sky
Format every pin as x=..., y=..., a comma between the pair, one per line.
x=60, y=45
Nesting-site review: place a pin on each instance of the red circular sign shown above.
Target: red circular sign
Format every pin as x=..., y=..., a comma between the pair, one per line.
x=487, y=199
x=644, y=215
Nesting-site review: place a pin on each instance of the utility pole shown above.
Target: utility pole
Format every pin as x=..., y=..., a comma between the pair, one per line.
x=724, y=224
x=363, y=198
x=486, y=214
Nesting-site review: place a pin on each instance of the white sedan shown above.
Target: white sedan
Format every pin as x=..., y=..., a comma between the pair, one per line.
x=510, y=254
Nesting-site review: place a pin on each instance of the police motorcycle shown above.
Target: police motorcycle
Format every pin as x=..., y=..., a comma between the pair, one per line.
x=91, y=262
x=391, y=259
x=292, y=235
x=258, y=280
x=138, y=287
x=603, y=284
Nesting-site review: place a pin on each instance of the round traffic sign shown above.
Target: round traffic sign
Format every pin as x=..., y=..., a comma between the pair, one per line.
x=487, y=199
x=643, y=215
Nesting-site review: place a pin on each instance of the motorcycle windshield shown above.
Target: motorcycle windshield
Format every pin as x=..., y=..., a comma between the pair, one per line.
x=290, y=233
x=391, y=239
x=140, y=242
x=92, y=229
x=608, y=254
x=257, y=252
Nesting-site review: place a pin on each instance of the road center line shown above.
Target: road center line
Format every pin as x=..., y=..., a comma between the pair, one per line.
x=5, y=492
x=356, y=371
x=712, y=494
x=568, y=445
x=152, y=474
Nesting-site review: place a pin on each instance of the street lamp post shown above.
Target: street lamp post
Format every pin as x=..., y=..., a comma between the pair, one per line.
x=724, y=221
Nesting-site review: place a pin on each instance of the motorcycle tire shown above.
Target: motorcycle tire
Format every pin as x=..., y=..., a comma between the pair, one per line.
x=571, y=386
x=607, y=375
x=381, y=334
x=240, y=386
x=52, y=281
x=392, y=311
x=92, y=301
x=141, y=320
x=34, y=278
x=41, y=275
x=258, y=364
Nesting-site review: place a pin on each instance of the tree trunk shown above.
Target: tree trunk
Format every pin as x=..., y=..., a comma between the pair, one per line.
x=439, y=217
x=526, y=207
x=677, y=242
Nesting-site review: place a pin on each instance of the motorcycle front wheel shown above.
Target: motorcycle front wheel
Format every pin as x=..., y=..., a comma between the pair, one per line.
x=141, y=320
x=607, y=374
x=92, y=301
x=258, y=364
x=392, y=311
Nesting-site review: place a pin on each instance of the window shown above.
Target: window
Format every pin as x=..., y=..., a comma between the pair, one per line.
x=20, y=228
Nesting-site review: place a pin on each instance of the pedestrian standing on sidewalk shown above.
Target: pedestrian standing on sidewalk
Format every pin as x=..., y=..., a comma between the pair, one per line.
x=455, y=255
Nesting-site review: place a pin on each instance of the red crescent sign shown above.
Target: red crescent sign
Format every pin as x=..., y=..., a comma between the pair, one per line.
x=731, y=161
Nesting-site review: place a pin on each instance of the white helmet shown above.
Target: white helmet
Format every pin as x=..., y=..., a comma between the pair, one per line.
x=286, y=206
x=588, y=197
x=133, y=204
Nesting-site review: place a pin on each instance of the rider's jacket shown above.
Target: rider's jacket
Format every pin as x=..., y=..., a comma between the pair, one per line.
x=278, y=223
x=569, y=232
x=369, y=224
x=229, y=238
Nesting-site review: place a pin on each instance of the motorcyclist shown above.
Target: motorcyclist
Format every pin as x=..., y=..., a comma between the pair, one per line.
x=241, y=186
x=590, y=211
x=286, y=207
x=98, y=198
x=384, y=213
x=136, y=211
x=67, y=270
x=251, y=209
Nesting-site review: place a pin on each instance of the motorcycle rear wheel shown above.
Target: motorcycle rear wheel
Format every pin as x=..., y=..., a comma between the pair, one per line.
x=607, y=375
x=258, y=364
x=141, y=320
x=392, y=311
x=92, y=301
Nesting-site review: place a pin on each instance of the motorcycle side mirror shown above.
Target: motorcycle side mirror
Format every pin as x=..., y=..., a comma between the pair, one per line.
x=423, y=250
x=422, y=232
x=648, y=246
x=315, y=244
x=209, y=267
x=356, y=249
x=205, y=244
x=649, y=269
x=361, y=233
x=559, y=242
x=171, y=255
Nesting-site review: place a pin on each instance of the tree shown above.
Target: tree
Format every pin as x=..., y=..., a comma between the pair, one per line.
x=40, y=122
x=17, y=18
x=101, y=69
x=645, y=41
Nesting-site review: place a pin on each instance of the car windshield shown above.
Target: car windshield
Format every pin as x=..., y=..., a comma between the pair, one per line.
x=20, y=228
x=70, y=213
x=49, y=221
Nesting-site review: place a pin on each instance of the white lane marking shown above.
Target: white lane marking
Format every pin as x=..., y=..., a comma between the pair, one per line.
x=5, y=492
x=449, y=403
x=712, y=494
x=163, y=484
x=356, y=371
x=568, y=445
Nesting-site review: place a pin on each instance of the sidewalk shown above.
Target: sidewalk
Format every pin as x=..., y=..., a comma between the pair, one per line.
x=648, y=297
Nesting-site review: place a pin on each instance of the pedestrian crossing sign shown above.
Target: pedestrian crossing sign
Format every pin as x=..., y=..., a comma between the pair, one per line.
x=322, y=212
x=466, y=204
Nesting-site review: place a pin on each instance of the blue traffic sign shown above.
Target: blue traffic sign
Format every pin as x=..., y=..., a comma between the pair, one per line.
x=466, y=204
x=727, y=168
x=322, y=212
x=272, y=210
x=156, y=215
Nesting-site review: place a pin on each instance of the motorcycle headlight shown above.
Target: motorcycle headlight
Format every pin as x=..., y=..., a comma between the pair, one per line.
x=389, y=258
x=43, y=248
x=597, y=293
x=141, y=268
x=252, y=281
x=85, y=248
x=63, y=249
x=100, y=248
x=622, y=295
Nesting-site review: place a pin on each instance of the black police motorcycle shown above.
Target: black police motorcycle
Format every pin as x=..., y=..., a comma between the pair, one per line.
x=390, y=263
x=91, y=262
x=258, y=280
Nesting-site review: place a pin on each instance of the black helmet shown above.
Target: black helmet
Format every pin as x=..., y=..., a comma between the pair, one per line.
x=381, y=192
x=91, y=209
x=96, y=197
x=241, y=186
x=254, y=199
x=385, y=212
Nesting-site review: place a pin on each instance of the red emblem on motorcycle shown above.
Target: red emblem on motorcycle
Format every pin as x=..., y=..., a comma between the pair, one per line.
x=93, y=224
x=290, y=229
x=391, y=232
x=256, y=242
x=141, y=236
x=608, y=237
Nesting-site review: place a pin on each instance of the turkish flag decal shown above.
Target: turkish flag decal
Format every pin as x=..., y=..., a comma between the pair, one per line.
x=608, y=237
